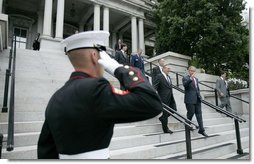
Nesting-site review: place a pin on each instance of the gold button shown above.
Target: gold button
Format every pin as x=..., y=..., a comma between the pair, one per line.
x=135, y=78
x=126, y=67
x=131, y=73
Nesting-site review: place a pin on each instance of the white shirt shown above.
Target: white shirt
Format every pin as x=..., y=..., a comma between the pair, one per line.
x=226, y=83
x=161, y=69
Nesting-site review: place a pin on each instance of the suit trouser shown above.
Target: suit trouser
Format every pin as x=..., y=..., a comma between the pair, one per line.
x=225, y=102
x=164, y=120
x=165, y=115
x=195, y=109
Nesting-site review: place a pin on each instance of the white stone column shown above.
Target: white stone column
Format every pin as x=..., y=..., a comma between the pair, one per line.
x=1, y=6
x=141, y=34
x=40, y=22
x=134, y=33
x=47, y=18
x=106, y=21
x=96, y=23
x=60, y=19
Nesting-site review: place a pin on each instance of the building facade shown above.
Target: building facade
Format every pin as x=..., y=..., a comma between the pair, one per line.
x=129, y=20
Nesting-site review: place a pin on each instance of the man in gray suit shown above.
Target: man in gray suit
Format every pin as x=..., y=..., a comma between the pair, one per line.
x=192, y=98
x=223, y=92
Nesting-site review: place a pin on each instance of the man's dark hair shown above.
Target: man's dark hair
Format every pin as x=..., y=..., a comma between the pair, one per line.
x=222, y=72
x=123, y=45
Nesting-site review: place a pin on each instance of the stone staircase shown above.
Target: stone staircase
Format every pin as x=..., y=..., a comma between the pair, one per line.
x=40, y=74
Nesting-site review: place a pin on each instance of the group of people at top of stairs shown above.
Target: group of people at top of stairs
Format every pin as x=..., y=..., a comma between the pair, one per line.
x=192, y=98
x=80, y=116
x=135, y=60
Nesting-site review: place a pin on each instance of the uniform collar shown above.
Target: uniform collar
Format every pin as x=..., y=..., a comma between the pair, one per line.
x=79, y=75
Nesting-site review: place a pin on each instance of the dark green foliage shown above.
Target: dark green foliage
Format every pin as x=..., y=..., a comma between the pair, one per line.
x=212, y=30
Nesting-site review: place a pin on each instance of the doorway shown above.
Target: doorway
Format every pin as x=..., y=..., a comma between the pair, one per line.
x=21, y=37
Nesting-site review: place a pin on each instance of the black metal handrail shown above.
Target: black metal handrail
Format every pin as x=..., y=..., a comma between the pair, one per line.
x=239, y=99
x=10, y=72
x=181, y=118
x=7, y=79
x=187, y=124
x=1, y=144
x=10, y=137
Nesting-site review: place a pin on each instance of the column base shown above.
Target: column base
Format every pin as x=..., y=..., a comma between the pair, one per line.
x=48, y=43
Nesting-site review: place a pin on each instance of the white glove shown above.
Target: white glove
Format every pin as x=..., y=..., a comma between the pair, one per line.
x=109, y=64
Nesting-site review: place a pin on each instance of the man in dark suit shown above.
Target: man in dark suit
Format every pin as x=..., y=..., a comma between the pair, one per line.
x=163, y=85
x=223, y=91
x=80, y=116
x=157, y=70
x=36, y=43
x=192, y=98
x=121, y=56
x=138, y=61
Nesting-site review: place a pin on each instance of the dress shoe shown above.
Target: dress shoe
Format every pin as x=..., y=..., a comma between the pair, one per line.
x=167, y=131
x=203, y=133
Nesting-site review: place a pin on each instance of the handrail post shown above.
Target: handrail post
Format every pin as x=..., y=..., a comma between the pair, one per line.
x=238, y=138
x=177, y=80
x=151, y=67
x=216, y=97
x=188, y=142
x=6, y=90
x=1, y=144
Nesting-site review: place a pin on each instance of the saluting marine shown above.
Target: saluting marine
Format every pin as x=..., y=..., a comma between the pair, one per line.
x=80, y=116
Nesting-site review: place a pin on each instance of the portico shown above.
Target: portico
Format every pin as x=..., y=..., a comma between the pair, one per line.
x=58, y=19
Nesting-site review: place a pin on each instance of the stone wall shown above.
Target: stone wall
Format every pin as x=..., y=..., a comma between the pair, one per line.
x=238, y=107
x=178, y=62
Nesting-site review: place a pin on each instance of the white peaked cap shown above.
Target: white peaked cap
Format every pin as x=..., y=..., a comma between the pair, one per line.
x=86, y=39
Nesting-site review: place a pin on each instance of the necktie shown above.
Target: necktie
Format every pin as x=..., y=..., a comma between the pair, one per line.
x=226, y=84
x=168, y=79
